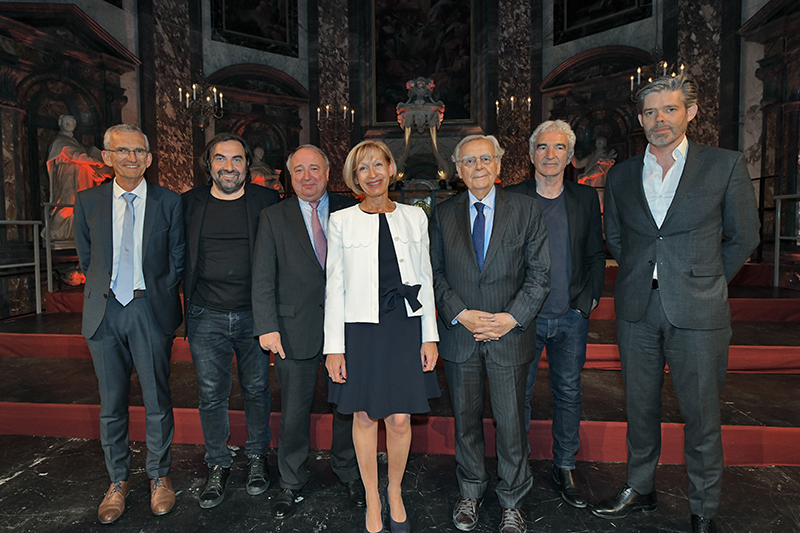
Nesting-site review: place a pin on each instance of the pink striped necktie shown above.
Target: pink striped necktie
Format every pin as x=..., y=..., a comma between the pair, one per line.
x=320, y=242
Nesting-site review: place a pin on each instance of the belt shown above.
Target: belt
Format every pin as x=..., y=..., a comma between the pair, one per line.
x=137, y=293
x=654, y=286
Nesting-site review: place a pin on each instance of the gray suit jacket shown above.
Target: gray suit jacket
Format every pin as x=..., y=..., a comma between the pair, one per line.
x=585, y=239
x=515, y=276
x=288, y=281
x=162, y=253
x=710, y=230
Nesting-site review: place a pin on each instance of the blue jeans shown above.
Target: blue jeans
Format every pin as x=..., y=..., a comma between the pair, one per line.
x=565, y=339
x=214, y=336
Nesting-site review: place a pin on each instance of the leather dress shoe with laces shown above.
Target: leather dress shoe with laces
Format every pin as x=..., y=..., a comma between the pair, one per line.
x=162, y=496
x=701, y=524
x=113, y=504
x=356, y=493
x=284, y=504
x=465, y=513
x=214, y=491
x=569, y=487
x=624, y=503
x=257, y=475
x=513, y=521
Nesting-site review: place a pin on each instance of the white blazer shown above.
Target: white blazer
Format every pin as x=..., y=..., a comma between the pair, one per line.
x=351, y=292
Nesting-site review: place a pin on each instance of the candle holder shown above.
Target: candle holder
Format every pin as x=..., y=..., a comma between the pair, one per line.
x=336, y=120
x=659, y=68
x=200, y=102
x=513, y=115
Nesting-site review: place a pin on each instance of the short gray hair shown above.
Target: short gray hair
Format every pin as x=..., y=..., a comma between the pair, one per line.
x=557, y=126
x=682, y=83
x=498, y=150
x=309, y=147
x=123, y=128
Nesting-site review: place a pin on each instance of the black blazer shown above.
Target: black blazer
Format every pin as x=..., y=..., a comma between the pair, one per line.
x=515, y=276
x=162, y=253
x=710, y=230
x=586, y=242
x=289, y=283
x=194, y=208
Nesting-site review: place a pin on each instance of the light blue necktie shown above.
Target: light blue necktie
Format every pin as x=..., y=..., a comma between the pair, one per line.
x=123, y=288
x=478, y=234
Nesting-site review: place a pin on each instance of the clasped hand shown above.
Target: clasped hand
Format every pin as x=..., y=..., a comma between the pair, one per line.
x=487, y=326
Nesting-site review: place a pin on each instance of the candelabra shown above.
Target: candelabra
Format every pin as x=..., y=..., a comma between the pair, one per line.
x=513, y=115
x=658, y=68
x=335, y=119
x=200, y=102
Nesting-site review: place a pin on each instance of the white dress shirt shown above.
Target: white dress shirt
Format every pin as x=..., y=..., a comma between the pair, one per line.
x=118, y=215
x=488, y=214
x=659, y=190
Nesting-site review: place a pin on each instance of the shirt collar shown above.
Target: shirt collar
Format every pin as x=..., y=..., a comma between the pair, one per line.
x=488, y=200
x=678, y=153
x=323, y=201
x=140, y=190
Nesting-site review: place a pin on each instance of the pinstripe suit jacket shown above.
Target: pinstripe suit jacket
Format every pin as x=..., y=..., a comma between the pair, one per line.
x=515, y=276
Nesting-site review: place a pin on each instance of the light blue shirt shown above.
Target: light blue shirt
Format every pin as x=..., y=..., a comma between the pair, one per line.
x=118, y=215
x=488, y=214
x=323, y=211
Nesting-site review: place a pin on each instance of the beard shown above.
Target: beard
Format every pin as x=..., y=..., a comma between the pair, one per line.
x=664, y=138
x=229, y=183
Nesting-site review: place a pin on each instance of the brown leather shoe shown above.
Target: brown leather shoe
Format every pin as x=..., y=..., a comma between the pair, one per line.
x=162, y=497
x=113, y=504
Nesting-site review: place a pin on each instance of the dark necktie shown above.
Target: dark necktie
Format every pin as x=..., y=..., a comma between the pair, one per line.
x=478, y=234
x=320, y=242
x=123, y=288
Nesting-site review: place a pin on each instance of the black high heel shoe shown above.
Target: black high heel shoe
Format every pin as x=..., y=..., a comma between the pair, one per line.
x=396, y=527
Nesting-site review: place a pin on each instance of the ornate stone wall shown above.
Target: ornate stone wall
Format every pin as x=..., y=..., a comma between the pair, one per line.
x=334, y=83
x=699, y=36
x=172, y=68
x=514, y=79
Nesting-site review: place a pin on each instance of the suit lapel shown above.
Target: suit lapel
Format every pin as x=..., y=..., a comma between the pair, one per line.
x=107, y=218
x=462, y=221
x=195, y=223
x=150, y=211
x=690, y=173
x=501, y=209
x=572, y=216
x=298, y=225
x=637, y=168
x=252, y=206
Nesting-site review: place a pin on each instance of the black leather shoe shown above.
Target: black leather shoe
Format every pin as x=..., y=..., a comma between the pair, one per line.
x=626, y=501
x=569, y=487
x=214, y=491
x=701, y=524
x=356, y=493
x=284, y=504
x=257, y=475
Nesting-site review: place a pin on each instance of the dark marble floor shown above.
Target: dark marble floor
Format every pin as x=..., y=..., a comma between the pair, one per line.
x=55, y=484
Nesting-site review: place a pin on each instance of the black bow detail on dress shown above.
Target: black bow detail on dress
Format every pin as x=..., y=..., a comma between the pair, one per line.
x=390, y=300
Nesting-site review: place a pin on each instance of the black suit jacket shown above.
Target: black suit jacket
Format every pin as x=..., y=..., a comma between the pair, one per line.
x=586, y=242
x=710, y=230
x=288, y=282
x=162, y=253
x=194, y=208
x=515, y=276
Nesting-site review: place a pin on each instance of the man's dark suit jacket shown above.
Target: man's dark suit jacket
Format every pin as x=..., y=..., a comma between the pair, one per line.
x=194, y=208
x=515, y=276
x=162, y=253
x=289, y=283
x=710, y=230
x=586, y=242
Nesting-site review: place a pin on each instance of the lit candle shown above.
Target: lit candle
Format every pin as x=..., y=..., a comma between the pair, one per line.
x=649, y=80
x=497, y=106
x=180, y=94
x=344, y=114
x=194, y=91
x=681, y=68
x=220, y=100
x=665, y=68
x=639, y=76
x=318, y=112
x=529, y=104
x=352, y=116
x=512, y=103
x=631, y=83
x=327, y=111
x=215, y=95
x=187, y=99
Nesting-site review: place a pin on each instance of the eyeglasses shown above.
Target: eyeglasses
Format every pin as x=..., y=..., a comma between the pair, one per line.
x=123, y=153
x=469, y=162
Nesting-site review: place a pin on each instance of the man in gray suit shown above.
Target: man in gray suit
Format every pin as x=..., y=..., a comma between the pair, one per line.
x=490, y=264
x=288, y=304
x=680, y=219
x=129, y=238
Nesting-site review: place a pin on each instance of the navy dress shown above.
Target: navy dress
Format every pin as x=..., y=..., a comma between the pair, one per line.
x=384, y=368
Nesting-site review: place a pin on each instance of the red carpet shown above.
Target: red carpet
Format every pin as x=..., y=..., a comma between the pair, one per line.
x=600, y=441
x=763, y=359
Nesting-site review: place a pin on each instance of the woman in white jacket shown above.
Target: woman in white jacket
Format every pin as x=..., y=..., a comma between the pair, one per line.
x=380, y=323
